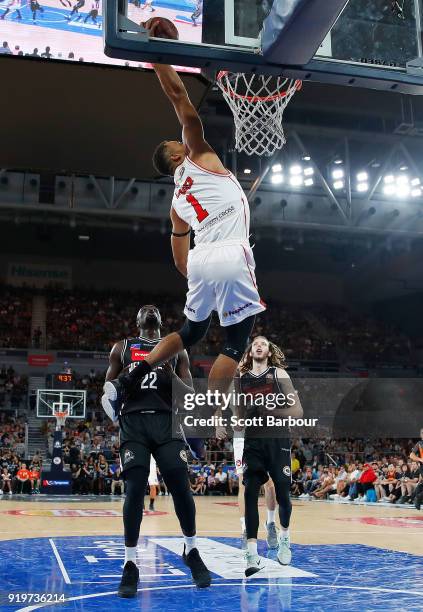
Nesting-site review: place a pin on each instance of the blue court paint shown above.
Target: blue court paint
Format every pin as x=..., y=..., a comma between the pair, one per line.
x=87, y=570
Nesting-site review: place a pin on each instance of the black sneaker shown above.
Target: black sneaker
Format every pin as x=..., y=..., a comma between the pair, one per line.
x=129, y=582
x=151, y=507
x=200, y=573
x=418, y=501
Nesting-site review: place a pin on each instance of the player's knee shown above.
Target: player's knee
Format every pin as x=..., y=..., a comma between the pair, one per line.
x=193, y=331
x=237, y=336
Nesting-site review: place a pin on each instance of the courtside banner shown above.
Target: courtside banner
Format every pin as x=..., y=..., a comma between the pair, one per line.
x=306, y=408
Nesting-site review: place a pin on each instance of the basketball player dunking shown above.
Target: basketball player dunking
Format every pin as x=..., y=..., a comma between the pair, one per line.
x=262, y=371
x=220, y=269
x=145, y=422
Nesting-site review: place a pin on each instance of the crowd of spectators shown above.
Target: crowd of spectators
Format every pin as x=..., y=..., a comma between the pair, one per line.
x=12, y=434
x=13, y=389
x=18, y=476
x=94, y=321
x=11, y=49
x=15, y=317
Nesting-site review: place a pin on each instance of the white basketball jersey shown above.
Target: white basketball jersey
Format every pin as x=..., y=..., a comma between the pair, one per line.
x=213, y=204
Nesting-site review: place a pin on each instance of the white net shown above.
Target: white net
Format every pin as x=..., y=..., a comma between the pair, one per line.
x=257, y=103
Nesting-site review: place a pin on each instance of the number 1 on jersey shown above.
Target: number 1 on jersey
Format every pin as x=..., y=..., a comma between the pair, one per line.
x=199, y=210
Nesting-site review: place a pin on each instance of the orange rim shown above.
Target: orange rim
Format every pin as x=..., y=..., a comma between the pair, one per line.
x=282, y=94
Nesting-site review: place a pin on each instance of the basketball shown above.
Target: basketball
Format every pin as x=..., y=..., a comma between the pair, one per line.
x=160, y=27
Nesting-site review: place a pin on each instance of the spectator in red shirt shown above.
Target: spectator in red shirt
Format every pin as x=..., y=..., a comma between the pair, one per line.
x=366, y=480
x=23, y=480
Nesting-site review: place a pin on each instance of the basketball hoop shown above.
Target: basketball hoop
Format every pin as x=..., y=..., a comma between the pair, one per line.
x=257, y=103
x=60, y=419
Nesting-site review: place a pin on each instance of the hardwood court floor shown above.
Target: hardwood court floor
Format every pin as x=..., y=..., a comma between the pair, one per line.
x=313, y=522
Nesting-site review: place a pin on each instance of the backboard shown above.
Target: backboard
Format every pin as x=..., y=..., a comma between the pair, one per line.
x=365, y=43
x=50, y=402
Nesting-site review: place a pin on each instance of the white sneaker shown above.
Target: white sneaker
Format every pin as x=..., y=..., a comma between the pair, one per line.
x=254, y=564
x=272, y=535
x=284, y=550
x=334, y=496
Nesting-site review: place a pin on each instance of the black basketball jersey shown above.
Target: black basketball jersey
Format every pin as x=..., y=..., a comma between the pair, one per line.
x=257, y=387
x=154, y=392
x=259, y=384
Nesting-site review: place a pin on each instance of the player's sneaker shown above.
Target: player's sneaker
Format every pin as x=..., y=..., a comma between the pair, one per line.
x=272, y=535
x=418, y=501
x=151, y=507
x=129, y=581
x=254, y=564
x=284, y=550
x=200, y=573
x=244, y=544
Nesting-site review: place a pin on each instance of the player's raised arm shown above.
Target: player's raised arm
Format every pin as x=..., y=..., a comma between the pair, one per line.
x=192, y=127
x=180, y=242
x=115, y=362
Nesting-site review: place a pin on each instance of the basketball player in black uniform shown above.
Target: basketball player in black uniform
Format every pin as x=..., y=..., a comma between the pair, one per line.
x=80, y=4
x=262, y=373
x=145, y=421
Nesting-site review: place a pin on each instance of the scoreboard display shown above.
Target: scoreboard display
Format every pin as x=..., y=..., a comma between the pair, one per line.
x=62, y=380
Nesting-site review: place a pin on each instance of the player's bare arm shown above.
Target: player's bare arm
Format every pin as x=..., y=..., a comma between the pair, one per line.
x=192, y=128
x=180, y=242
x=182, y=368
x=285, y=383
x=115, y=362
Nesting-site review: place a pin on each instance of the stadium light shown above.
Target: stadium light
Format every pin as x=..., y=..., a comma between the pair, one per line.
x=296, y=181
x=308, y=182
x=403, y=191
x=338, y=161
x=402, y=180
x=389, y=189
x=277, y=168
x=416, y=192
x=362, y=177
x=309, y=171
x=362, y=187
x=295, y=169
x=338, y=174
x=247, y=171
x=415, y=182
x=277, y=179
x=388, y=179
x=306, y=158
x=338, y=185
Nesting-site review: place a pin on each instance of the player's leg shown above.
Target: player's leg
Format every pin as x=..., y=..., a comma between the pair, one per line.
x=171, y=458
x=279, y=468
x=135, y=462
x=238, y=445
x=225, y=367
x=254, y=477
x=270, y=525
x=136, y=481
x=6, y=12
x=152, y=483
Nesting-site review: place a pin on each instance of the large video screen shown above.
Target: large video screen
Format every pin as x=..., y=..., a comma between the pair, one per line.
x=72, y=30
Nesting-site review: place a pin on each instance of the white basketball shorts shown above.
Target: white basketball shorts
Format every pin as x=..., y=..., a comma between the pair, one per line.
x=221, y=277
x=152, y=477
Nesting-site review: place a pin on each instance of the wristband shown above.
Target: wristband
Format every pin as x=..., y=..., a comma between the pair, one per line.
x=181, y=235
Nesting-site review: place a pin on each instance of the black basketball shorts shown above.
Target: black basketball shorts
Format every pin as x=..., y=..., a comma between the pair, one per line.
x=266, y=457
x=143, y=434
